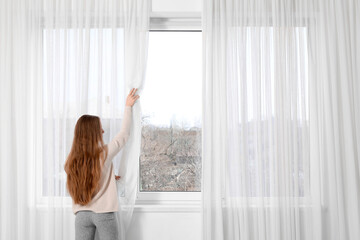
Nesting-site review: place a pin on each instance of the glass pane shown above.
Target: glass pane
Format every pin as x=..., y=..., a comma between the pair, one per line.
x=170, y=157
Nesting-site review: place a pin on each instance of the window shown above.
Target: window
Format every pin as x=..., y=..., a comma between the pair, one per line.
x=170, y=159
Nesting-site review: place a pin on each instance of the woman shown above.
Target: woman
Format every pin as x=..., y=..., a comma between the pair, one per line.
x=90, y=176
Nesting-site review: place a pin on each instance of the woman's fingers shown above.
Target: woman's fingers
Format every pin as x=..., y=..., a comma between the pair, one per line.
x=132, y=92
x=131, y=98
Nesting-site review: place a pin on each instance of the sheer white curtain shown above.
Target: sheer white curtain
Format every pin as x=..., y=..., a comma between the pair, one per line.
x=281, y=119
x=59, y=60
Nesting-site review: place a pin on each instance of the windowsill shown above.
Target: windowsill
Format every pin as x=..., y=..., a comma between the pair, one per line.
x=168, y=202
x=176, y=206
x=183, y=208
x=194, y=206
x=171, y=203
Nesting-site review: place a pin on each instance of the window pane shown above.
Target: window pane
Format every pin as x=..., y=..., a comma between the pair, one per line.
x=170, y=157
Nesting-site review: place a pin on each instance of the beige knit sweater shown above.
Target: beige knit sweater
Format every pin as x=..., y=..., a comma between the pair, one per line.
x=106, y=200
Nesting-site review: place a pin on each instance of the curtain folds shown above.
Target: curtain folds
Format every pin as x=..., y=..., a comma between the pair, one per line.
x=281, y=119
x=59, y=60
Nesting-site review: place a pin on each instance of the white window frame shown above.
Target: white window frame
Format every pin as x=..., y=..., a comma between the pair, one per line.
x=152, y=201
x=171, y=201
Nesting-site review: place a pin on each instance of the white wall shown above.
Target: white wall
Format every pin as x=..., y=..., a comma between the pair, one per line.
x=165, y=226
x=176, y=5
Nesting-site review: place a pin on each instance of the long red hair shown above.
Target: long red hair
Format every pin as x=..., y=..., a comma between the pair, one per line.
x=84, y=162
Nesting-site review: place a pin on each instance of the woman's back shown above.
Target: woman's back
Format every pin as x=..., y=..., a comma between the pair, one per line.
x=105, y=199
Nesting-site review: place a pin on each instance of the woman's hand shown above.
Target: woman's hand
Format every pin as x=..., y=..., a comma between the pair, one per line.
x=131, y=98
x=117, y=177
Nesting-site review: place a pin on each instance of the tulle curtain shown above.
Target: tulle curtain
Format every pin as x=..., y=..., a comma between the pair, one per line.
x=59, y=60
x=281, y=119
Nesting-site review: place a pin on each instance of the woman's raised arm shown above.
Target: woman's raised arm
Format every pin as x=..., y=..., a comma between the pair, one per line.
x=121, y=138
